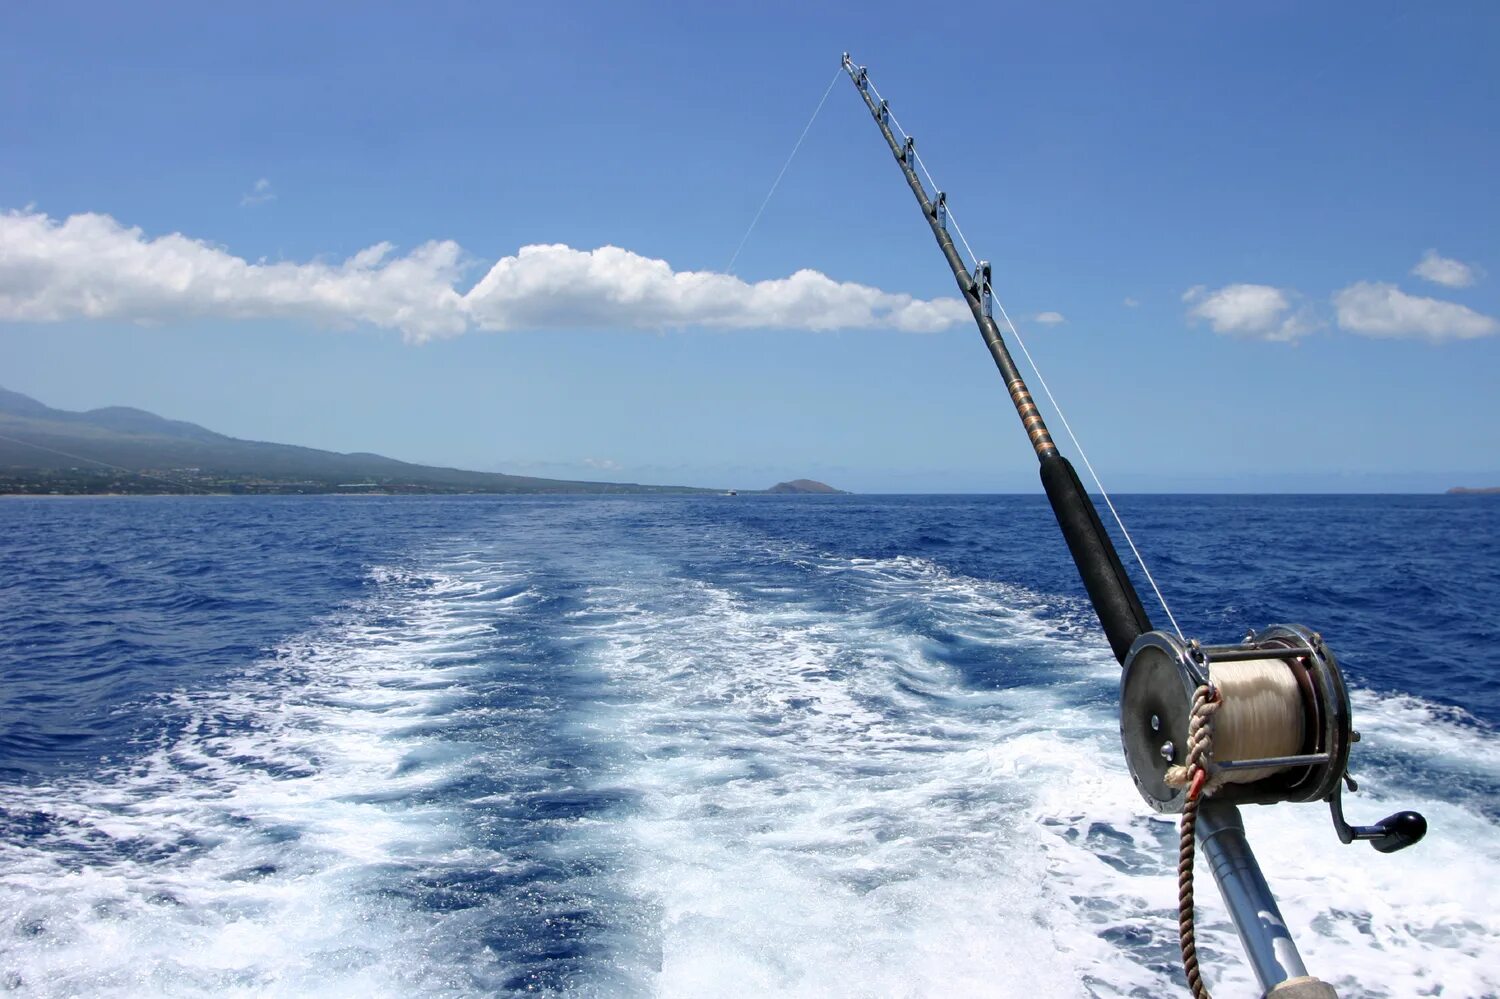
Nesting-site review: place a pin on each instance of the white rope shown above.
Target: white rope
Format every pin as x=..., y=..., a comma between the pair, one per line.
x=777, y=182
x=1031, y=362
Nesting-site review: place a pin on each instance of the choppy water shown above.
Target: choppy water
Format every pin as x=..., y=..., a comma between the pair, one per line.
x=692, y=746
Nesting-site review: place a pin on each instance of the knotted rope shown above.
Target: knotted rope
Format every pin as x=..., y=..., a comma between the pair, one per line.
x=1206, y=701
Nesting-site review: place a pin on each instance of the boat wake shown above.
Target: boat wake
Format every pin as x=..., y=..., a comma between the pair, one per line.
x=739, y=767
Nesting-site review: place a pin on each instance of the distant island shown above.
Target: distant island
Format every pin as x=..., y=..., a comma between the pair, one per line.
x=120, y=450
x=806, y=486
x=1470, y=491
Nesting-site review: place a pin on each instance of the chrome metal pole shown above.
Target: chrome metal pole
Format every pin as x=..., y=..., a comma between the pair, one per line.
x=1268, y=944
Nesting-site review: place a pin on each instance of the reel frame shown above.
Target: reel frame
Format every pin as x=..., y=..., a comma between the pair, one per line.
x=1160, y=674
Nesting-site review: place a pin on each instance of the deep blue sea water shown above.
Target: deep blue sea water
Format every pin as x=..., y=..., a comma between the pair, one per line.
x=699, y=746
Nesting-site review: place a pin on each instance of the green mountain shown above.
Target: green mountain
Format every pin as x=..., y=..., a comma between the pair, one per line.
x=120, y=449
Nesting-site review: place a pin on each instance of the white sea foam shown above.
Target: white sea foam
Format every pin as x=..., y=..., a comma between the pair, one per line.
x=821, y=799
x=241, y=855
x=829, y=810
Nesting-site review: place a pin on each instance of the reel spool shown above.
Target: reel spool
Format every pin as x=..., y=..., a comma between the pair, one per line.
x=1282, y=731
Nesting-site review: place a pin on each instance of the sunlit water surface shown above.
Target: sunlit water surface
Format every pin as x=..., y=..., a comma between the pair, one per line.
x=689, y=746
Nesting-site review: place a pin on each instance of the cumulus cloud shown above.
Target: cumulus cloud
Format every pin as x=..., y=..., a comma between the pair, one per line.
x=259, y=193
x=550, y=286
x=1444, y=270
x=1255, y=311
x=1382, y=310
x=1049, y=318
x=90, y=266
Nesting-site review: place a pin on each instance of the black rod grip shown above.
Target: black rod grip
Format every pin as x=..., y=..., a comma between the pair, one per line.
x=1109, y=588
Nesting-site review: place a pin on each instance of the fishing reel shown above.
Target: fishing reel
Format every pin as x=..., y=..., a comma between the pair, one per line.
x=1282, y=731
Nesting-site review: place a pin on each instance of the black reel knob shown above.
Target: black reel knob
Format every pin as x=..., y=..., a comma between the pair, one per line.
x=1401, y=830
x=1392, y=833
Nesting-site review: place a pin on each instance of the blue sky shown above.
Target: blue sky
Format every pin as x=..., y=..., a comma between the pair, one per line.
x=1229, y=207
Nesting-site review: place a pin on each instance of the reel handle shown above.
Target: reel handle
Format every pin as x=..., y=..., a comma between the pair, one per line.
x=1392, y=833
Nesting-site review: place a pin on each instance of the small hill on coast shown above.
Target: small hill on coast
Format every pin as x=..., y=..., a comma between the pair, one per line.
x=808, y=486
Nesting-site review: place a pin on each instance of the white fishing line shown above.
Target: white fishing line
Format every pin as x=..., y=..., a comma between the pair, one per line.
x=1083, y=455
x=896, y=125
x=777, y=182
x=1031, y=362
x=1260, y=716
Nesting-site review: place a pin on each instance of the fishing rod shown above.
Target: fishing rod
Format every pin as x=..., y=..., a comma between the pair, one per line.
x=1204, y=727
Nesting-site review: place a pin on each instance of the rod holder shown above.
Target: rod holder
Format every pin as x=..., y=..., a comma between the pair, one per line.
x=1267, y=941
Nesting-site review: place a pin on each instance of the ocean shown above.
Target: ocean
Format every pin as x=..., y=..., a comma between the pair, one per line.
x=701, y=746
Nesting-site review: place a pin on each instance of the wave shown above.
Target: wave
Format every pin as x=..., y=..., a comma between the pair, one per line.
x=259, y=843
x=695, y=762
x=830, y=807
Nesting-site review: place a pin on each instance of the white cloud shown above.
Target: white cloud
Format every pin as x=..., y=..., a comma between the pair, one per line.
x=1256, y=311
x=89, y=266
x=551, y=286
x=259, y=193
x=1445, y=271
x=604, y=464
x=1049, y=318
x=1383, y=310
x=1130, y=303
